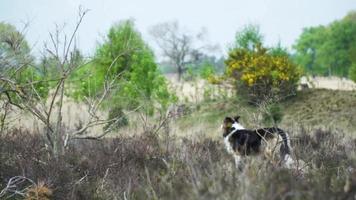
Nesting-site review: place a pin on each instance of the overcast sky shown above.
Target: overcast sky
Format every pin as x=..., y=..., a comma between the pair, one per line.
x=280, y=20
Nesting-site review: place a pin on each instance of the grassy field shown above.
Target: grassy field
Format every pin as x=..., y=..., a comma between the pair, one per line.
x=187, y=159
x=311, y=109
x=323, y=108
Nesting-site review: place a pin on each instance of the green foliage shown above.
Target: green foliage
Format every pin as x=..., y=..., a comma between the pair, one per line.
x=326, y=50
x=248, y=38
x=352, y=72
x=30, y=82
x=33, y=76
x=273, y=114
x=16, y=64
x=307, y=49
x=127, y=60
x=121, y=119
x=207, y=70
x=279, y=50
x=190, y=73
x=14, y=49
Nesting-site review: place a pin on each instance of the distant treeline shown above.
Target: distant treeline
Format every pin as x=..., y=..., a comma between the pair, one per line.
x=330, y=49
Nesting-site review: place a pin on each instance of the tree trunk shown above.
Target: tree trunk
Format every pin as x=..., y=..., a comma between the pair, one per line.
x=58, y=146
x=180, y=72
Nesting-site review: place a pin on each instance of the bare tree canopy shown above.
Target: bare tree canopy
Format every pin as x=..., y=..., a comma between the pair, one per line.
x=180, y=47
x=26, y=96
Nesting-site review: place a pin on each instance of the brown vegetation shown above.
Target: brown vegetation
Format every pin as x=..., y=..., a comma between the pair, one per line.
x=148, y=167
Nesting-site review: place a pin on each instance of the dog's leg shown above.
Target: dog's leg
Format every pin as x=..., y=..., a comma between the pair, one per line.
x=238, y=162
x=288, y=161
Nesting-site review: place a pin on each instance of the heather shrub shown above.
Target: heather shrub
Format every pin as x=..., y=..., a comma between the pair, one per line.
x=144, y=167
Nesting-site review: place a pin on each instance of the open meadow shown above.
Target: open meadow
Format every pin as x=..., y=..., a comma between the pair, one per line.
x=187, y=159
x=136, y=100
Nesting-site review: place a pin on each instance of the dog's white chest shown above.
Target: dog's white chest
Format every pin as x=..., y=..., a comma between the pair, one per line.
x=228, y=145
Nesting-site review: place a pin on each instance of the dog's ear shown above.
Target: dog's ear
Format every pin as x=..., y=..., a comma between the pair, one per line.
x=237, y=118
x=228, y=121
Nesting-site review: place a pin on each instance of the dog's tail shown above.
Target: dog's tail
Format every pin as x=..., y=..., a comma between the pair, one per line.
x=286, y=148
x=286, y=141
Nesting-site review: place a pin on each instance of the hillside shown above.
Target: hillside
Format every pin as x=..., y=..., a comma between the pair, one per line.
x=316, y=108
x=322, y=108
x=190, y=162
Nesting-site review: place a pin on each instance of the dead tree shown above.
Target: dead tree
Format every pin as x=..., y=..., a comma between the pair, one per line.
x=179, y=47
x=62, y=50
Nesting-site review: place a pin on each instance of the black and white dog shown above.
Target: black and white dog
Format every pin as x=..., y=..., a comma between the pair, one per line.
x=241, y=142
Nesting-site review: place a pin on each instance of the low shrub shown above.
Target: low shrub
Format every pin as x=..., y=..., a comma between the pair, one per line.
x=144, y=167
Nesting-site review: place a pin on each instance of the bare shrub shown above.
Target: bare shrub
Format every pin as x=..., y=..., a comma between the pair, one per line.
x=142, y=167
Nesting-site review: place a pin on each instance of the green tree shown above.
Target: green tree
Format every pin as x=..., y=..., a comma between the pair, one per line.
x=279, y=50
x=126, y=59
x=352, y=72
x=14, y=49
x=335, y=50
x=207, y=70
x=308, y=47
x=17, y=64
x=248, y=38
x=325, y=50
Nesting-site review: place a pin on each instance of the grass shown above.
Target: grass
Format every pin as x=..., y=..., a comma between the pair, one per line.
x=318, y=108
x=311, y=109
x=145, y=167
x=191, y=163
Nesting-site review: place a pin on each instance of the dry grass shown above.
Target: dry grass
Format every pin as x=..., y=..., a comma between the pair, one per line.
x=322, y=108
x=311, y=109
x=146, y=167
x=188, y=160
x=331, y=83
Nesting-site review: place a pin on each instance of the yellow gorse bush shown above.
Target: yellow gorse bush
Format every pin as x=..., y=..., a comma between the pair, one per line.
x=259, y=68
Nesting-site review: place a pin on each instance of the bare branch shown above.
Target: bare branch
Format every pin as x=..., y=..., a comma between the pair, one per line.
x=95, y=123
x=81, y=17
x=12, y=187
x=176, y=45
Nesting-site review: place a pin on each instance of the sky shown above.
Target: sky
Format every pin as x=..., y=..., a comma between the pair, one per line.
x=279, y=20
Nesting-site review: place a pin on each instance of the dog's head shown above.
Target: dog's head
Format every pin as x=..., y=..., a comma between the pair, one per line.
x=230, y=124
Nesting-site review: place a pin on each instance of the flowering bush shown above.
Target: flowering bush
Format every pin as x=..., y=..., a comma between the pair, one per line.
x=261, y=74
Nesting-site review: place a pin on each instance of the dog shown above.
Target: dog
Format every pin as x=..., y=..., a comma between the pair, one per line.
x=241, y=142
